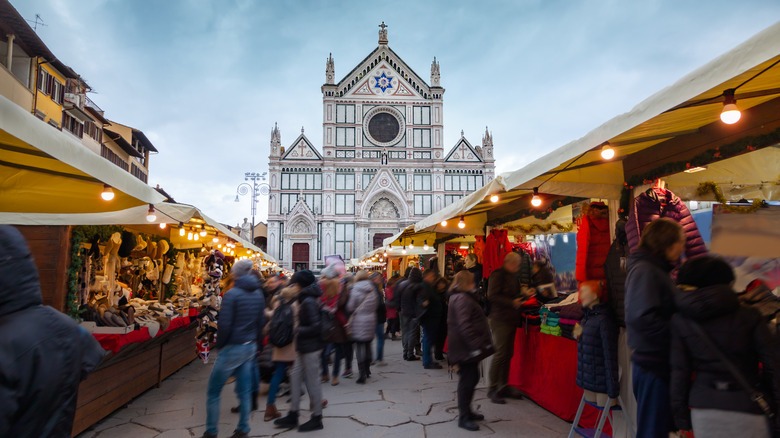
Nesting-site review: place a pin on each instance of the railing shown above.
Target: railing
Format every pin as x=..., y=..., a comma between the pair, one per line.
x=88, y=102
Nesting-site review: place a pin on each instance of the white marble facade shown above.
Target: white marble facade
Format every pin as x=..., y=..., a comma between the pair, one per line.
x=382, y=165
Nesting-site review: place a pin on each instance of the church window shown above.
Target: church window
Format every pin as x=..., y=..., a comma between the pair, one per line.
x=449, y=199
x=422, y=182
x=287, y=202
x=345, y=136
x=422, y=205
x=383, y=127
x=302, y=181
x=345, y=204
x=314, y=201
x=368, y=175
x=400, y=176
x=462, y=183
x=421, y=138
x=345, y=113
x=345, y=240
x=422, y=115
x=345, y=181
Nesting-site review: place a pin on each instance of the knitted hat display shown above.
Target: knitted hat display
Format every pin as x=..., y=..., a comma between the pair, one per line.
x=303, y=278
x=140, y=243
x=162, y=248
x=241, y=268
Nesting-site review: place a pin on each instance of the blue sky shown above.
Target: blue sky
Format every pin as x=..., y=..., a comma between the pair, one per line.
x=207, y=79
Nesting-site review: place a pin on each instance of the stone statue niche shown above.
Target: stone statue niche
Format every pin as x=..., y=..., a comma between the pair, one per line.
x=384, y=209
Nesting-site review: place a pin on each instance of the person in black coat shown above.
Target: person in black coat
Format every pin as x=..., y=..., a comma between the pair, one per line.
x=44, y=354
x=597, y=365
x=706, y=397
x=410, y=291
x=615, y=271
x=649, y=310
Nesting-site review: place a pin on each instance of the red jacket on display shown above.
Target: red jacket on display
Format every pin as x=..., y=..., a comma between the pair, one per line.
x=497, y=246
x=592, y=243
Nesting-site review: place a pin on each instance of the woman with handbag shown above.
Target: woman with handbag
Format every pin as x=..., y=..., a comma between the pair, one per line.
x=716, y=349
x=469, y=342
x=361, y=326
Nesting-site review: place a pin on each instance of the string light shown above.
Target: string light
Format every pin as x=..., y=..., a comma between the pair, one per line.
x=536, y=200
x=494, y=198
x=444, y=223
x=462, y=223
x=411, y=245
x=181, y=229
x=203, y=231
x=607, y=152
x=730, y=114
x=189, y=235
x=150, y=215
x=163, y=225
x=404, y=250
x=108, y=193
x=425, y=246
x=196, y=236
x=216, y=238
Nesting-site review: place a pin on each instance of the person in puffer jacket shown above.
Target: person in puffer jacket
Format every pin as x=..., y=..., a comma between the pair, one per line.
x=706, y=397
x=592, y=243
x=658, y=203
x=44, y=354
x=597, y=367
x=362, y=305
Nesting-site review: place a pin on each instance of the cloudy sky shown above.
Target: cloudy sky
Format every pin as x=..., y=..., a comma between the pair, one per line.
x=207, y=79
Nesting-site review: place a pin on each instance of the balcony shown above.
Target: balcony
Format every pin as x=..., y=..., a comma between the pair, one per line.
x=13, y=89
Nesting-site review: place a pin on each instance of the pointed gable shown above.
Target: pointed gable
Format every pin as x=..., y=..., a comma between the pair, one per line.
x=384, y=73
x=463, y=152
x=384, y=185
x=302, y=149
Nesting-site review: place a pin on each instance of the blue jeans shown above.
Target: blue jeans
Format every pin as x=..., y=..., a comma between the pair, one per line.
x=338, y=349
x=235, y=360
x=428, y=339
x=380, y=341
x=653, y=409
x=276, y=380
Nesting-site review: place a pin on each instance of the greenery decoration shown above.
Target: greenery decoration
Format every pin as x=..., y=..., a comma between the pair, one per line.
x=541, y=228
x=79, y=236
x=711, y=187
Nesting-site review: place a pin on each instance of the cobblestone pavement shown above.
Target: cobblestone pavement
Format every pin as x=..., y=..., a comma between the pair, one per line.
x=400, y=400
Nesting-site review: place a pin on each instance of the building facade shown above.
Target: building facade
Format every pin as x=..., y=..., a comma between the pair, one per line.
x=383, y=164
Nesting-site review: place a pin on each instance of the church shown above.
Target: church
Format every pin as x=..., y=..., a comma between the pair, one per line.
x=383, y=164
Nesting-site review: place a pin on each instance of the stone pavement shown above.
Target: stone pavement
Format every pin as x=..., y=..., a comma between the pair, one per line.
x=401, y=400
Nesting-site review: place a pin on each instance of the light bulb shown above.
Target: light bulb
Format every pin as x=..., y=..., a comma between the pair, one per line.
x=215, y=239
x=443, y=223
x=196, y=236
x=403, y=251
x=203, y=231
x=150, y=216
x=425, y=246
x=108, y=193
x=494, y=199
x=730, y=114
x=181, y=230
x=189, y=235
x=461, y=223
x=536, y=200
x=219, y=246
x=411, y=245
x=163, y=225
x=607, y=152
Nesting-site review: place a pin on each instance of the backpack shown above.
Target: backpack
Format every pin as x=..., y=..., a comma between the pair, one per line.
x=327, y=323
x=281, y=331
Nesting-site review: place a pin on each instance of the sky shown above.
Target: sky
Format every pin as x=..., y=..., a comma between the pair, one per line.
x=206, y=80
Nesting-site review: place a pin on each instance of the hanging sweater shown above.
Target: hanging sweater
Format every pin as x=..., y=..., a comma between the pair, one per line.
x=497, y=246
x=658, y=203
x=592, y=243
x=479, y=249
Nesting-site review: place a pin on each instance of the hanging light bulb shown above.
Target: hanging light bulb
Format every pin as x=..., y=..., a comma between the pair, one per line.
x=462, y=223
x=411, y=245
x=203, y=231
x=108, y=193
x=730, y=114
x=150, y=215
x=196, y=236
x=607, y=152
x=425, y=246
x=189, y=235
x=536, y=200
x=444, y=223
x=219, y=246
x=163, y=225
x=203, y=247
x=181, y=229
x=494, y=198
x=403, y=251
x=216, y=238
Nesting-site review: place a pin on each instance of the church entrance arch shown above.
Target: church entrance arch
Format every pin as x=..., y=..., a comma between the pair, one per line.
x=300, y=256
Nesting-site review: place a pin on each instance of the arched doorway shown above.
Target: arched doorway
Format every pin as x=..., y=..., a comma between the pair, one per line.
x=300, y=256
x=379, y=239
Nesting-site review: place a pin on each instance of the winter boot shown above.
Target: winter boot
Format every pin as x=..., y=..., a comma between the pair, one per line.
x=271, y=413
x=314, y=424
x=466, y=423
x=288, y=422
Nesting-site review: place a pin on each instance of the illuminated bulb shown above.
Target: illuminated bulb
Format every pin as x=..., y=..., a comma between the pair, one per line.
x=461, y=223
x=249, y=252
x=196, y=236
x=189, y=235
x=108, y=193
x=162, y=225
x=443, y=223
x=215, y=239
x=411, y=245
x=730, y=114
x=203, y=231
x=403, y=251
x=150, y=216
x=219, y=246
x=181, y=229
x=494, y=199
x=536, y=200
x=607, y=152
x=425, y=246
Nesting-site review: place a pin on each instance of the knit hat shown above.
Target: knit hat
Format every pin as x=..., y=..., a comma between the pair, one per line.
x=330, y=272
x=705, y=271
x=241, y=268
x=303, y=278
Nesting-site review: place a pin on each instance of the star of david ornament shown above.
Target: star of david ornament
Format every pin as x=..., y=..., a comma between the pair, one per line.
x=383, y=82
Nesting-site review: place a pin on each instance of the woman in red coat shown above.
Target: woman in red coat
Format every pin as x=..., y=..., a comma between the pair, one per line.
x=469, y=342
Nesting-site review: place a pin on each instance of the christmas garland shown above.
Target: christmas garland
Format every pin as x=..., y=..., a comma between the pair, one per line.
x=527, y=229
x=711, y=187
x=741, y=146
x=535, y=212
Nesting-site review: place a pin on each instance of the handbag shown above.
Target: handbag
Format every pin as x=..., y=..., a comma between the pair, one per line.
x=755, y=395
x=348, y=325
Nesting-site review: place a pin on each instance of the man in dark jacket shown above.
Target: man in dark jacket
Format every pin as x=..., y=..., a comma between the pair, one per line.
x=431, y=308
x=308, y=344
x=44, y=354
x=411, y=290
x=504, y=293
x=240, y=331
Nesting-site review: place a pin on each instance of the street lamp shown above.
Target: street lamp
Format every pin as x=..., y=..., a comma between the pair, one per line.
x=257, y=187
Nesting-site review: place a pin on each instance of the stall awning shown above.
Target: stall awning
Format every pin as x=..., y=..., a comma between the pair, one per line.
x=43, y=170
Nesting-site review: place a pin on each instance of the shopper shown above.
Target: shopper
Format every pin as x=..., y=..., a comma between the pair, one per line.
x=543, y=281
x=504, y=293
x=442, y=287
x=469, y=343
x=330, y=282
x=430, y=311
x=308, y=345
x=649, y=310
x=701, y=380
x=381, y=318
x=44, y=355
x=362, y=306
x=348, y=347
x=473, y=266
x=411, y=290
x=393, y=327
x=282, y=356
x=240, y=329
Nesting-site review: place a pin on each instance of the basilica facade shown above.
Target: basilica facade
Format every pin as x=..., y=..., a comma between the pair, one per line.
x=382, y=165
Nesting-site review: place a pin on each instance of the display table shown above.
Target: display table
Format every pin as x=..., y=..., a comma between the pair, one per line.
x=545, y=368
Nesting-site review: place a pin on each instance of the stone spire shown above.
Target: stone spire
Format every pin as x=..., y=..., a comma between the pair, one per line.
x=383, y=34
x=330, y=70
x=276, y=141
x=435, y=74
x=487, y=145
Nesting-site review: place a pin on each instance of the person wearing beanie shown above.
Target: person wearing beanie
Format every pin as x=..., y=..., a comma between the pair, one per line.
x=705, y=396
x=38, y=397
x=239, y=336
x=308, y=344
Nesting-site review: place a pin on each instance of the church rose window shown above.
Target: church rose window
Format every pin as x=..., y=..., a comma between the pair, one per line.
x=383, y=127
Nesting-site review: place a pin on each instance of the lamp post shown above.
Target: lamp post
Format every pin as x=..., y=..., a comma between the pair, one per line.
x=257, y=187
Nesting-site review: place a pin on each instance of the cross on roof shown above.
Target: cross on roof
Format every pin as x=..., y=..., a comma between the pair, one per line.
x=302, y=148
x=463, y=151
x=383, y=25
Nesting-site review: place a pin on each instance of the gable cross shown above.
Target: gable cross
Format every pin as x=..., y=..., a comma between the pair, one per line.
x=383, y=26
x=463, y=151
x=302, y=148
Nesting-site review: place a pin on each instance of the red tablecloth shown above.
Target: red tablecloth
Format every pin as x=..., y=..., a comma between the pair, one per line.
x=114, y=342
x=545, y=368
